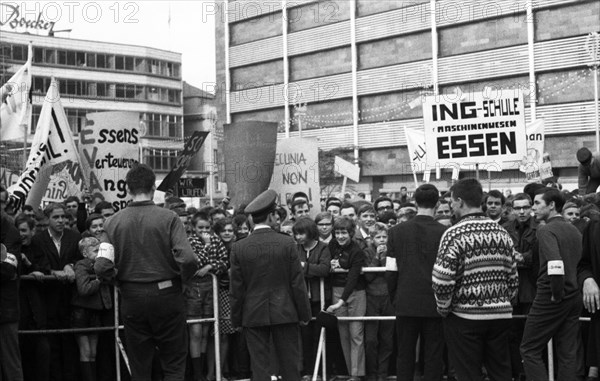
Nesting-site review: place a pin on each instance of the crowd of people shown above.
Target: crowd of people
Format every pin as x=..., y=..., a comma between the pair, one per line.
x=456, y=267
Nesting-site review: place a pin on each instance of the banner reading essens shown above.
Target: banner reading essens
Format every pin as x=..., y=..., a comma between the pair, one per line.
x=109, y=148
x=475, y=130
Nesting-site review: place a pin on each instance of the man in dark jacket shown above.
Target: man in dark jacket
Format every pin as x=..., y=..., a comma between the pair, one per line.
x=10, y=263
x=268, y=294
x=57, y=245
x=411, y=254
x=522, y=230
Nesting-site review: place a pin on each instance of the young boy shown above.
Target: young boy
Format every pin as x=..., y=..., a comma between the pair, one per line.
x=91, y=306
x=378, y=334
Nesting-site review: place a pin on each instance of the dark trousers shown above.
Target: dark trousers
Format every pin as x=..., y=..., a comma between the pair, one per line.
x=558, y=321
x=474, y=343
x=286, y=341
x=35, y=357
x=431, y=331
x=153, y=319
x=515, y=338
x=10, y=356
x=379, y=336
x=310, y=340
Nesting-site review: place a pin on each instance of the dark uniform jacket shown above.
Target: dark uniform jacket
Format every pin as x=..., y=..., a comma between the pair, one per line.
x=525, y=240
x=589, y=265
x=267, y=282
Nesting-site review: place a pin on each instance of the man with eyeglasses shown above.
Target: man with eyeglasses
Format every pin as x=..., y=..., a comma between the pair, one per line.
x=382, y=205
x=522, y=230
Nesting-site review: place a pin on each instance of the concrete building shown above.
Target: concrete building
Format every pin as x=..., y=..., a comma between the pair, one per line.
x=358, y=65
x=98, y=76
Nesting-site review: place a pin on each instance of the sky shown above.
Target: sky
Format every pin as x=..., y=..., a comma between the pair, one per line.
x=146, y=23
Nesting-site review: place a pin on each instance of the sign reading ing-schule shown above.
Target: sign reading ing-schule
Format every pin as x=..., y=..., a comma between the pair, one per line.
x=475, y=129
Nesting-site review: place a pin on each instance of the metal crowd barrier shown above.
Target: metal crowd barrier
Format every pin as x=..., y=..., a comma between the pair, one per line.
x=320, y=359
x=322, y=342
x=119, y=348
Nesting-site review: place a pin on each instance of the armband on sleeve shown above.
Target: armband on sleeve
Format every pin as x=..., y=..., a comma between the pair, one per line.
x=556, y=268
x=390, y=264
x=107, y=251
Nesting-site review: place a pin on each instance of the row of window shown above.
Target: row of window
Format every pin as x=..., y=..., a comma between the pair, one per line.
x=52, y=56
x=160, y=159
x=109, y=90
x=157, y=125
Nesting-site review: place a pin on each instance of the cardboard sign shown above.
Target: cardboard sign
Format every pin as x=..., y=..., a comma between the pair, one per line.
x=249, y=159
x=532, y=161
x=109, y=147
x=297, y=170
x=476, y=129
x=191, y=187
x=191, y=148
x=346, y=168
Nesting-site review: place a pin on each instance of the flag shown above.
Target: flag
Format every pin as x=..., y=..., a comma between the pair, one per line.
x=417, y=152
x=15, y=109
x=52, y=144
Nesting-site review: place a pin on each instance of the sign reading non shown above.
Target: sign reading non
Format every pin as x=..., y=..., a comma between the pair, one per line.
x=475, y=129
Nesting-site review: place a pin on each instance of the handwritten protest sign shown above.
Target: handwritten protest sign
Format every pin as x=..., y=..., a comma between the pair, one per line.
x=297, y=170
x=109, y=148
x=191, y=148
x=476, y=129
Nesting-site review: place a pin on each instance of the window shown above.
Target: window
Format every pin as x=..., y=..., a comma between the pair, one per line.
x=154, y=67
x=130, y=91
x=90, y=59
x=140, y=65
x=139, y=92
x=101, y=90
x=101, y=61
x=38, y=55
x=119, y=62
x=71, y=58
x=62, y=57
x=176, y=68
x=153, y=94
x=19, y=52
x=129, y=63
x=5, y=51
x=120, y=90
x=80, y=57
x=50, y=56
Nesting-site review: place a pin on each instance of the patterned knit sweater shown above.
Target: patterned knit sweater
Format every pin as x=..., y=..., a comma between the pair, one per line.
x=475, y=273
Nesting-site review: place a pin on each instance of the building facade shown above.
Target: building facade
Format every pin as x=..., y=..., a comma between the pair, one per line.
x=97, y=76
x=359, y=66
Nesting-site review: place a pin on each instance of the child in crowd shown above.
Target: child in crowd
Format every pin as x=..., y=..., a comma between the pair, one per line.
x=92, y=306
x=378, y=334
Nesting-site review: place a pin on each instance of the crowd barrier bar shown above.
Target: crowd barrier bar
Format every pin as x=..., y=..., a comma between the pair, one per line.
x=323, y=346
x=320, y=359
x=119, y=348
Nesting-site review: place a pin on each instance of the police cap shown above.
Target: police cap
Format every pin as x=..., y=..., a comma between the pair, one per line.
x=263, y=203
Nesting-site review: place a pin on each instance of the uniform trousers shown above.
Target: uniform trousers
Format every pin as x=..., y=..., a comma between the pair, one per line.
x=473, y=343
x=285, y=339
x=547, y=320
x=352, y=332
x=153, y=318
x=431, y=331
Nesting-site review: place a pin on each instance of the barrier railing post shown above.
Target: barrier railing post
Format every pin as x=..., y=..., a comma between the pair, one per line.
x=550, y=361
x=216, y=324
x=116, y=333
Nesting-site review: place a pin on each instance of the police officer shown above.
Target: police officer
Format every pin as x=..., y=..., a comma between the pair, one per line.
x=268, y=293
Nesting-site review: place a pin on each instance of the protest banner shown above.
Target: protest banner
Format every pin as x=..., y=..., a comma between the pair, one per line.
x=66, y=180
x=249, y=153
x=52, y=144
x=297, y=170
x=191, y=148
x=417, y=152
x=191, y=187
x=476, y=129
x=16, y=107
x=532, y=161
x=109, y=146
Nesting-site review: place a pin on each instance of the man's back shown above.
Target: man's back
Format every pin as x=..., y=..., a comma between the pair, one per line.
x=414, y=245
x=149, y=244
x=266, y=281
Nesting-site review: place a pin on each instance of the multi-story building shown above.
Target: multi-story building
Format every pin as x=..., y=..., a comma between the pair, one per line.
x=359, y=64
x=98, y=76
